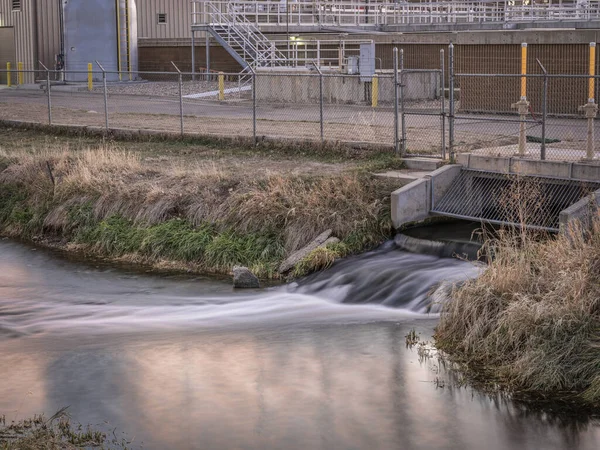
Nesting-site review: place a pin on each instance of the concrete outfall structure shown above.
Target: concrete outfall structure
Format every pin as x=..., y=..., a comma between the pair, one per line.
x=416, y=201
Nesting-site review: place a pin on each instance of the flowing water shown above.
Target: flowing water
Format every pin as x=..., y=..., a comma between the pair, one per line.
x=173, y=361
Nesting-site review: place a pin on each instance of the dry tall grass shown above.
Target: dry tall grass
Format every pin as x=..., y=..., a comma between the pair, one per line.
x=55, y=185
x=532, y=320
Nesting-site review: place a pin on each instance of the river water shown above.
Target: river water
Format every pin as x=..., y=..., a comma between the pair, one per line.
x=187, y=362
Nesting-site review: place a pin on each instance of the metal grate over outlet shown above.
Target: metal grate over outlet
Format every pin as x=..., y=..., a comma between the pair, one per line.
x=512, y=199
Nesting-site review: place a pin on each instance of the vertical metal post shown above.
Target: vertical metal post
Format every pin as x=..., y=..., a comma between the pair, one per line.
x=544, y=110
x=194, y=55
x=180, y=97
x=321, y=100
x=105, y=95
x=443, y=91
x=396, y=143
x=402, y=115
x=254, y=107
x=451, y=99
x=8, y=77
x=48, y=89
x=48, y=92
x=207, y=57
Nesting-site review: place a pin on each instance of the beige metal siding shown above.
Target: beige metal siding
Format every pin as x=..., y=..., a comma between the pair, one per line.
x=22, y=22
x=7, y=49
x=179, y=19
x=48, y=25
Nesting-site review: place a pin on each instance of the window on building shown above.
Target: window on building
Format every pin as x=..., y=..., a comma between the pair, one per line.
x=16, y=5
x=162, y=18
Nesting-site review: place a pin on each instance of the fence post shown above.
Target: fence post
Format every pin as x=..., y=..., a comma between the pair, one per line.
x=396, y=143
x=544, y=110
x=402, y=115
x=253, y=105
x=321, y=112
x=105, y=95
x=443, y=106
x=180, y=96
x=20, y=77
x=48, y=92
x=451, y=99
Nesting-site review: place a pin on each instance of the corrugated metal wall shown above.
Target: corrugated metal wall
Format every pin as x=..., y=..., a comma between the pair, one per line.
x=22, y=21
x=179, y=19
x=48, y=23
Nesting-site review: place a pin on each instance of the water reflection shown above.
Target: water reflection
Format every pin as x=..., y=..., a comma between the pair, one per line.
x=318, y=381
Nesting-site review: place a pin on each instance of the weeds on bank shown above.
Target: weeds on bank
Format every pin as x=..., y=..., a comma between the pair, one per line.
x=107, y=201
x=54, y=433
x=531, y=321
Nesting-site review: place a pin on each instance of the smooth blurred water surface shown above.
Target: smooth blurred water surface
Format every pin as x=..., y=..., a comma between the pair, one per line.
x=187, y=362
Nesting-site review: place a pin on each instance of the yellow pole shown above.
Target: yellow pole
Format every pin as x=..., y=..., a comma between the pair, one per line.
x=90, y=77
x=8, y=80
x=524, y=70
x=375, y=91
x=591, y=86
x=221, y=86
x=20, y=73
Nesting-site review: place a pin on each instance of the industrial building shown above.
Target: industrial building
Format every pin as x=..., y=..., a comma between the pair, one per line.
x=127, y=36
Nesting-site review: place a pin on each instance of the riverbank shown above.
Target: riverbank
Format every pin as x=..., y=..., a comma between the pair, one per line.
x=530, y=324
x=191, y=206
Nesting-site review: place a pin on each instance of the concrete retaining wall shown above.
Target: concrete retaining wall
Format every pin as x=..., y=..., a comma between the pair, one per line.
x=583, y=211
x=300, y=87
x=558, y=169
x=413, y=202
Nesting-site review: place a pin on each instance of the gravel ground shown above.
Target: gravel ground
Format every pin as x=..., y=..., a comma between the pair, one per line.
x=164, y=88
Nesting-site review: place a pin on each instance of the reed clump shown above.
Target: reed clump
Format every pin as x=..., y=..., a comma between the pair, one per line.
x=531, y=321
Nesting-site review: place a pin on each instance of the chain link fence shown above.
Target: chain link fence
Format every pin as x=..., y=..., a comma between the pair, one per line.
x=432, y=112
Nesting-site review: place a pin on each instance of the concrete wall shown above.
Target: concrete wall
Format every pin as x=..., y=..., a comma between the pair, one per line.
x=574, y=170
x=302, y=86
x=413, y=202
x=580, y=213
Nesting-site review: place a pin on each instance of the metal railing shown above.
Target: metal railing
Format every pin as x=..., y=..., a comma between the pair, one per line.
x=364, y=13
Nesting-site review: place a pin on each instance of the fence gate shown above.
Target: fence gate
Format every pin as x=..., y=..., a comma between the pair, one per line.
x=422, y=110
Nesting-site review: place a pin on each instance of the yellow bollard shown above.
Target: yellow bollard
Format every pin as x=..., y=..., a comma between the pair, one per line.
x=8, y=80
x=90, y=77
x=591, y=86
x=20, y=73
x=524, y=70
x=375, y=91
x=221, y=86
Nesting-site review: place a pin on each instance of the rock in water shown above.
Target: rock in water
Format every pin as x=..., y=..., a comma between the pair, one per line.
x=244, y=279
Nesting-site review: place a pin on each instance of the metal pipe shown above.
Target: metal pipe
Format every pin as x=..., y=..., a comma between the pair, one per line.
x=451, y=99
x=193, y=55
x=544, y=111
x=402, y=115
x=105, y=95
x=118, y=11
x=321, y=111
x=180, y=97
x=592, y=72
x=48, y=92
x=443, y=91
x=396, y=143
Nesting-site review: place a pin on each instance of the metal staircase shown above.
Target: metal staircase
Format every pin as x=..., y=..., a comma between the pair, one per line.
x=241, y=38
